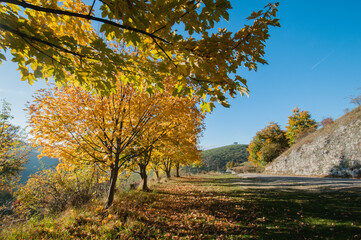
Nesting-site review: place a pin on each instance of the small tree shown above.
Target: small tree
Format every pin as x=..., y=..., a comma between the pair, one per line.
x=230, y=165
x=299, y=125
x=355, y=100
x=268, y=144
x=326, y=121
x=14, y=151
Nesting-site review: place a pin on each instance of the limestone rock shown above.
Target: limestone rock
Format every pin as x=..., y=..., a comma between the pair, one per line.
x=332, y=150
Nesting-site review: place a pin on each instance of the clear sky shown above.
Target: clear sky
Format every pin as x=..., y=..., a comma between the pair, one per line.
x=314, y=64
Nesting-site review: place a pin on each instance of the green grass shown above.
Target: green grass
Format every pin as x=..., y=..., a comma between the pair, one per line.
x=207, y=207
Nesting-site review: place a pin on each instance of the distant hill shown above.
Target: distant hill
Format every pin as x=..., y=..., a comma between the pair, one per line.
x=216, y=159
x=34, y=164
x=332, y=150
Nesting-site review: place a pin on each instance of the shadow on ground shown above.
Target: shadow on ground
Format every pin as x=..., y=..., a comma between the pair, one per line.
x=250, y=209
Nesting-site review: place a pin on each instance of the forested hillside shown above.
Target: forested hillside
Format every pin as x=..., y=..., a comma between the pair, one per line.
x=216, y=159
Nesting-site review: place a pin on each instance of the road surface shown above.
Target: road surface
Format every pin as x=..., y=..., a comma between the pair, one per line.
x=289, y=183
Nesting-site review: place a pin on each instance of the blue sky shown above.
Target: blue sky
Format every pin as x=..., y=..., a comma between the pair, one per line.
x=314, y=64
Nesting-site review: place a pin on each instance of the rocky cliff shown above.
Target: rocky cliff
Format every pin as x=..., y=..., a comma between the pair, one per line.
x=332, y=150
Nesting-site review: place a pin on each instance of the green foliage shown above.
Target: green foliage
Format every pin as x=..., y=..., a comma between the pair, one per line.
x=216, y=159
x=299, y=125
x=13, y=149
x=268, y=144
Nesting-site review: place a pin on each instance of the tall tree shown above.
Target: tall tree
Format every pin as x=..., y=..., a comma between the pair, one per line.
x=136, y=39
x=76, y=126
x=300, y=124
x=14, y=151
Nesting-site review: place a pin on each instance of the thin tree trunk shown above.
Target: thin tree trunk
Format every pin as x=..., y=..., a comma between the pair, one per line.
x=144, y=176
x=113, y=181
x=177, y=170
x=167, y=172
x=157, y=174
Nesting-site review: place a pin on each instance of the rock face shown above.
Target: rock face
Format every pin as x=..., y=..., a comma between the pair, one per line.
x=332, y=150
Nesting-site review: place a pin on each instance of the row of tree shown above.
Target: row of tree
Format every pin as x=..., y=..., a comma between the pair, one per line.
x=271, y=141
x=128, y=130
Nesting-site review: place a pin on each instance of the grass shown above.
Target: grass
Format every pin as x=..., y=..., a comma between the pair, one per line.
x=206, y=207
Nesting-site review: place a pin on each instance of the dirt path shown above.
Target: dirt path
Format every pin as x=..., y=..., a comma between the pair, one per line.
x=286, y=183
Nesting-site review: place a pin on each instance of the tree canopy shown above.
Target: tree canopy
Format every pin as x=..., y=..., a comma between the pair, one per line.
x=299, y=125
x=92, y=43
x=268, y=144
x=112, y=132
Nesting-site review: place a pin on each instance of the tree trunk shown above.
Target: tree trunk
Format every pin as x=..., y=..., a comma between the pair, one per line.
x=157, y=174
x=177, y=170
x=168, y=167
x=113, y=181
x=144, y=176
x=167, y=172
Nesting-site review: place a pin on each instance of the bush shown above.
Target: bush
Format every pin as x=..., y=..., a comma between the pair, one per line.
x=54, y=190
x=248, y=167
x=326, y=121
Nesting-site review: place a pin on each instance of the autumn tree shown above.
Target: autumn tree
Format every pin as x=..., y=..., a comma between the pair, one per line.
x=179, y=130
x=326, y=121
x=170, y=116
x=184, y=140
x=300, y=124
x=78, y=127
x=91, y=43
x=230, y=165
x=14, y=151
x=268, y=144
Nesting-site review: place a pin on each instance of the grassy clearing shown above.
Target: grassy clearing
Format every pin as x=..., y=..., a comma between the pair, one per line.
x=206, y=207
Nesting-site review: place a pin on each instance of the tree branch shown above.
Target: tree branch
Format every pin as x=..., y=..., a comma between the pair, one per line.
x=79, y=15
x=23, y=35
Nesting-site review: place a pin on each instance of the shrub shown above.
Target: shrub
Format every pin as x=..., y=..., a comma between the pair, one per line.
x=54, y=190
x=268, y=144
x=326, y=121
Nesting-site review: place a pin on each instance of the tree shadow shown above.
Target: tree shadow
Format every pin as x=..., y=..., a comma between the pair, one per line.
x=277, y=213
